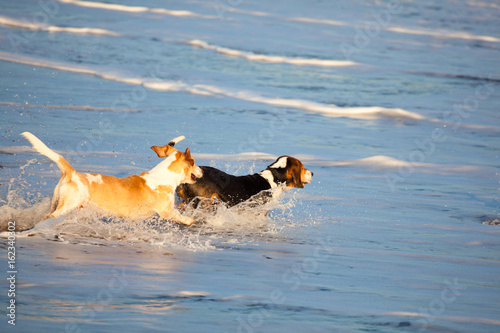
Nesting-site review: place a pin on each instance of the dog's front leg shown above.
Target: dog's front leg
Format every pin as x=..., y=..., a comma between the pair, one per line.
x=177, y=216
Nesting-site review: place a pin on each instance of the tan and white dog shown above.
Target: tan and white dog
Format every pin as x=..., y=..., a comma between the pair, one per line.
x=137, y=196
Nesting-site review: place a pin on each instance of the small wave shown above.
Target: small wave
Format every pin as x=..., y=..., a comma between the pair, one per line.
x=444, y=34
x=16, y=150
x=10, y=22
x=136, y=9
x=328, y=110
x=379, y=161
x=403, y=30
x=247, y=12
x=292, y=19
x=316, y=21
x=468, y=126
x=459, y=319
x=26, y=60
x=382, y=163
x=68, y=107
x=271, y=59
x=458, y=76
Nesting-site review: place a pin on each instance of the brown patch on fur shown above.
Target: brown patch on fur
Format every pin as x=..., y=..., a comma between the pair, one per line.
x=177, y=165
x=184, y=163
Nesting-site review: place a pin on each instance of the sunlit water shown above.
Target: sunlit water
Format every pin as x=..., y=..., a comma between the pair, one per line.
x=393, y=105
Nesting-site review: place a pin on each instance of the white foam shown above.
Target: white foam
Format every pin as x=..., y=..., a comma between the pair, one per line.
x=382, y=163
x=164, y=85
x=10, y=22
x=444, y=34
x=293, y=19
x=136, y=9
x=316, y=21
x=246, y=12
x=271, y=59
x=328, y=110
x=187, y=293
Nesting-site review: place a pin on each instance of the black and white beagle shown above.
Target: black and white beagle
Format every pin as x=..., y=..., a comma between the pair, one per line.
x=215, y=184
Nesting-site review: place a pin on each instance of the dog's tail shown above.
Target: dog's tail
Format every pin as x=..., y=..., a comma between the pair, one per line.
x=175, y=140
x=40, y=147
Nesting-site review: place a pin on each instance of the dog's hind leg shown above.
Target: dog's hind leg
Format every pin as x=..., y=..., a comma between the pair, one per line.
x=55, y=197
x=68, y=195
x=64, y=206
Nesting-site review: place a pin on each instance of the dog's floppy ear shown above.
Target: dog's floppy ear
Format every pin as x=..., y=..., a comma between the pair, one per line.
x=163, y=151
x=294, y=173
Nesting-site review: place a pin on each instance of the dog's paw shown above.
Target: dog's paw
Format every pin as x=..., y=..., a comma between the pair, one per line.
x=187, y=220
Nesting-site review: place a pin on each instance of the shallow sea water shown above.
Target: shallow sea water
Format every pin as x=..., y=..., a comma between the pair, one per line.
x=394, y=105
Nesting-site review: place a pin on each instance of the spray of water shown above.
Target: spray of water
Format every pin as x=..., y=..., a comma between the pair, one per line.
x=21, y=204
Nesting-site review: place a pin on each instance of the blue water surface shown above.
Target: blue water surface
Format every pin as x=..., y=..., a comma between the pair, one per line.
x=388, y=237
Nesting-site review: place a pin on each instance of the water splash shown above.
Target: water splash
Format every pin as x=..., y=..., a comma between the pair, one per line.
x=22, y=205
x=216, y=226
